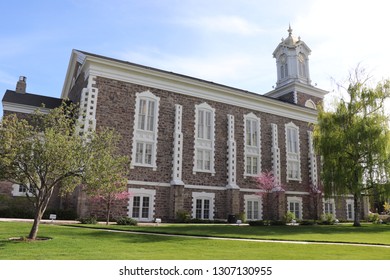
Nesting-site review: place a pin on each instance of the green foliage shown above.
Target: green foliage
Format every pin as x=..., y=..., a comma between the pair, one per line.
x=88, y=220
x=183, y=216
x=241, y=216
x=354, y=142
x=327, y=219
x=374, y=218
x=126, y=221
x=289, y=217
x=47, y=153
x=307, y=222
x=386, y=207
x=257, y=223
x=62, y=214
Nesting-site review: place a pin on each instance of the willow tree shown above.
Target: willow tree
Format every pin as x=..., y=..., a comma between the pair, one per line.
x=353, y=140
x=45, y=153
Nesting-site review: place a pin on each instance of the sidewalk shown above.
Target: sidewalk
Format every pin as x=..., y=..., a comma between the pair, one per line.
x=43, y=221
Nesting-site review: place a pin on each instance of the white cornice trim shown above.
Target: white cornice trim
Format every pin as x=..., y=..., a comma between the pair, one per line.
x=215, y=188
x=151, y=184
x=191, y=87
x=299, y=87
x=20, y=108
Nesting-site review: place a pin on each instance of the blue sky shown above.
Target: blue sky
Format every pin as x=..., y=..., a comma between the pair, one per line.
x=224, y=41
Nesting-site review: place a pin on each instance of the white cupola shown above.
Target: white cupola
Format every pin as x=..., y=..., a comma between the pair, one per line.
x=292, y=61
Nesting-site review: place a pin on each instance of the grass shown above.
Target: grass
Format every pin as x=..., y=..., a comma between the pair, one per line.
x=81, y=243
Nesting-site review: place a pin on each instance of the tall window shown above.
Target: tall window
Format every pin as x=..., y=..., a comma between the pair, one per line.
x=302, y=65
x=350, y=209
x=204, y=124
x=141, y=207
x=204, y=138
x=294, y=205
x=329, y=207
x=253, y=207
x=283, y=67
x=145, y=130
x=141, y=204
x=146, y=115
x=252, y=144
x=292, y=152
x=203, y=205
x=202, y=209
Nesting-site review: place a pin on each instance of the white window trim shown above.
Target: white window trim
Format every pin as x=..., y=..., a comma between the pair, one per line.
x=144, y=136
x=295, y=199
x=252, y=151
x=144, y=193
x=332, y=202
x=204, y=144
x=203, y=195
x=253, y=197
x=352, y=203
x=293, y=126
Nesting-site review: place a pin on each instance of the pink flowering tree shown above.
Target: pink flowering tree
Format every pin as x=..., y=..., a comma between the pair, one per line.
x=108, y=182
x=108, y=197
x=267, y=183
x=315, y=193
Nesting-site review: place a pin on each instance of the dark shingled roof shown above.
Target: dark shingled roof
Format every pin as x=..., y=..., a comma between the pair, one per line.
x=31, y=99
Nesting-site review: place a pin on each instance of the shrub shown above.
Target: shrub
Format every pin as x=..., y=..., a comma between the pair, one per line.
x=289, y=217
x=307, y=223
x=182, y=216
x=62, y=214
x=277, y=223
x=88, y=220
x=386, y=207
x=126, y=221
x=374, y=218
x=241, y=217
x=257, y=223
x=327, y=219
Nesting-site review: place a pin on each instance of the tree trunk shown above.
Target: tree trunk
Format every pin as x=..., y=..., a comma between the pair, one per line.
x=108, y=212
x=356, y=222
x=34, y=230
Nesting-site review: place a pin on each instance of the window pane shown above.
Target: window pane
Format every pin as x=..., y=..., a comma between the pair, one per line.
x=148, y=153
x=136, y=206
x=139, y=153
x=254, y=133
x=208, y=125
x=249, y=210
x=200, y=124
x=198, y=212
x=199, y=160
x=254, y=166
x=151, y=116
x=207, y=160
x=255, y=210
x=248, y=132
x=142, y=114
x=206, y=209
x=145, y=207
x=248, y=165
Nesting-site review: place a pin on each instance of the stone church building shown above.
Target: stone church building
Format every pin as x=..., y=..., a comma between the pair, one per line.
x=195, y=146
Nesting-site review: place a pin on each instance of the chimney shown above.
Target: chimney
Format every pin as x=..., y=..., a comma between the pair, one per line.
x=21, y=85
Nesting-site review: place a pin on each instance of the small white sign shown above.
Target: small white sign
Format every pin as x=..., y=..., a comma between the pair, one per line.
x=53, y=216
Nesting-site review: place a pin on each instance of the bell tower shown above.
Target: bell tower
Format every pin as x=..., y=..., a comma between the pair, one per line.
x=292, y=61
x=293, y=83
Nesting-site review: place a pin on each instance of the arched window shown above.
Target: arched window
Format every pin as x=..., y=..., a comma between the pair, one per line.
x=302, y=65
x=283, y=67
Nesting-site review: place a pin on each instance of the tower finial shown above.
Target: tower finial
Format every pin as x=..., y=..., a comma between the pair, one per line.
x=289, y=30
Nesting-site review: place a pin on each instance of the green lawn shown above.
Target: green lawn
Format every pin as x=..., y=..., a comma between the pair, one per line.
x=79, y=243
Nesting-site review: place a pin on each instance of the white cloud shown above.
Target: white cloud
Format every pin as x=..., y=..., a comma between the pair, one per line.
x=225, y=24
